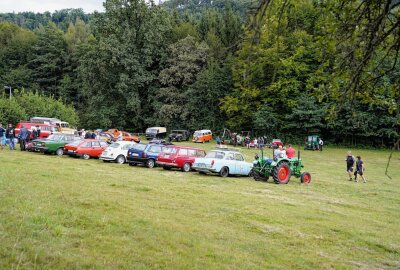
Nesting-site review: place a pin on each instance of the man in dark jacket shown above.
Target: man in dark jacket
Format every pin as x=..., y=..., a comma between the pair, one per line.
x=23, y=137
x=10, y=135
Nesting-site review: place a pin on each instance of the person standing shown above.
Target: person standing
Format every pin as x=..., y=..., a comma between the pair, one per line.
x=218, y=139
x=290, y=152
x=2, y=136
x=359, y=169
x=247, y=142
x=321, y=144
x=23, y=137
x=350, y=160
x=10, y=134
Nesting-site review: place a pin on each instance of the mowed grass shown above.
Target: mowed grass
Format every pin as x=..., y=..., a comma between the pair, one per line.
x=67, y=213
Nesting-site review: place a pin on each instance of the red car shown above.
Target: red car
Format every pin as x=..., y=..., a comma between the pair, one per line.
x=179, y=157
x=85, y=148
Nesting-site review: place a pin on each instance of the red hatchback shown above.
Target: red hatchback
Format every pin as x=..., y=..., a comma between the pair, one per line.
x=179, y=157
x=85, y=148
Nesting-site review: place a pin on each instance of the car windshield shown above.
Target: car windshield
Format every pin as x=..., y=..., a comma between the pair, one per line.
x=169, y=150
x=139, y=146
x=115, y=145
x=197, y=133
x=215, y=154
x=54, y=137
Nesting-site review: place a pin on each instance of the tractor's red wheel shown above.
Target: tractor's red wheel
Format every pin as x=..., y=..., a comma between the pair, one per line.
x=305, y=177
x=282, y=173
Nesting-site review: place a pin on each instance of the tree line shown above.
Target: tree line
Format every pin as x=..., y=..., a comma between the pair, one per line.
x=283, y=69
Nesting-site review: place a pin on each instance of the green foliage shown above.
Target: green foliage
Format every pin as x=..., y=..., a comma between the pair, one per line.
x=25, y=104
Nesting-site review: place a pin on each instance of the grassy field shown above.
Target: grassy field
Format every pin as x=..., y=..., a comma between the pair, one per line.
x=66, y=213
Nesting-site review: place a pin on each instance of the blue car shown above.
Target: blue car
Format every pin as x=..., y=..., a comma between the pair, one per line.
x=145, y=154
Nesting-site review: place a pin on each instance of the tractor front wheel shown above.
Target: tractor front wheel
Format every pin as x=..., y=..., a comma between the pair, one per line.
x=305, y=177
x=281, y=173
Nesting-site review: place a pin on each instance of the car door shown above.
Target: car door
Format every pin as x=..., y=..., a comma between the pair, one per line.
x=182, y=157
x=230, y=162
x=240, y=167
x=96, y=149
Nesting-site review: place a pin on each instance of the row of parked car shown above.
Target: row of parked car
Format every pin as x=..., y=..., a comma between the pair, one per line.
x=165, y=155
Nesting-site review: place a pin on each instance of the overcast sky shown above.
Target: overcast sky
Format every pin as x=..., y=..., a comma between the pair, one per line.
x=49, y=5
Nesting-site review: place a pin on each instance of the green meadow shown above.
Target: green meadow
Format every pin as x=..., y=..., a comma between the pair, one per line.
x=67, y=213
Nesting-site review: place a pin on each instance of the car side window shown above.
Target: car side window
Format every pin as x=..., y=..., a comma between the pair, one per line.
x=238, y=157
x=201, y=153
x=155, y=149
x=87, y=144
x=95, y=144
x=192, y=152
x=230, y=156
x=126, y=147
x=183, y=152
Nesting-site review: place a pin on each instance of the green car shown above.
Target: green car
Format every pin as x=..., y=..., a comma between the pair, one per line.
x=54, y=143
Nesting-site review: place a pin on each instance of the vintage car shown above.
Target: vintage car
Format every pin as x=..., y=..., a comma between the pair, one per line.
x=179, y=157
x=202, y=136
x=85, y=148
x=54, y=143
x=179, y=135
x=156, y=132
x=223, y=162
x=125, y=135
x=117, y=152
x=144, y=154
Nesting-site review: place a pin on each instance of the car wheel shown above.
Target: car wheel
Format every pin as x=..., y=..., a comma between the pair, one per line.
x=86, y=156
x=150, y=163
x=224, y=172
x=120, y=159
x=186, y=167
x=60, y=152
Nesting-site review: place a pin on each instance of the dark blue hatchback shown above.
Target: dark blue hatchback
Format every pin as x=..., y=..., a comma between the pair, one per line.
x=145, y=154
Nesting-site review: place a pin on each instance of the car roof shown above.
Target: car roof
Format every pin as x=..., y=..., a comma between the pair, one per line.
x=225, y=151
x=184, y=147
x=203, y=130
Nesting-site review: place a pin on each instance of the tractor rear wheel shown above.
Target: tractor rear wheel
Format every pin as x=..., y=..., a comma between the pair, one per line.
x=305, y=177
x=281, y=173
x=257, y=175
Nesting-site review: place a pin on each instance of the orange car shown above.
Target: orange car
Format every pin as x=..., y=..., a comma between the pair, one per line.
x=204, y=135
x=125, y=135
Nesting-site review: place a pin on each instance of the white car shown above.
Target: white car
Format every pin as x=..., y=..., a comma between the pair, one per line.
x=117, y=152
x=223, y=162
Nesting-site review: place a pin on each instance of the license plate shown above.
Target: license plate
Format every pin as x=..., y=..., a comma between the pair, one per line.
x=71, y=151
x=135, y=154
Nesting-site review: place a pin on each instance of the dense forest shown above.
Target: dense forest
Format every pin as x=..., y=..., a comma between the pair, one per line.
x=280, y=68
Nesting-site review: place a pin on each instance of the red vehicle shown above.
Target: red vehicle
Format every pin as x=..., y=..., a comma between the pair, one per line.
x=85, y=148
x=45, y=129
x=179, y=157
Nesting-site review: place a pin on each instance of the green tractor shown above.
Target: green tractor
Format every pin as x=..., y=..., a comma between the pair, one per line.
x=281, y=169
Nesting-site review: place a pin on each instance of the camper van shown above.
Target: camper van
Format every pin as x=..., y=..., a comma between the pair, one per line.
x=204, y=135
x=156, y=132
x=64, y=126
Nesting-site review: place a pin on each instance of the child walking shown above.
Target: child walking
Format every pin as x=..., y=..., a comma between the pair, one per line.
x=359, y=169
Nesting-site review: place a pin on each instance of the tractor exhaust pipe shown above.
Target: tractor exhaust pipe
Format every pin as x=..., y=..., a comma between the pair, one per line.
x=298, y=153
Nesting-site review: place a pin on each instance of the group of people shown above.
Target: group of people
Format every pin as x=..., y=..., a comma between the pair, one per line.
x=359, y=167
x=283, y=152
x=24, y=136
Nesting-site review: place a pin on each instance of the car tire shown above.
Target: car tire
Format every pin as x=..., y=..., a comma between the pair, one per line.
x=150, y=163
x=224, y=172
x=120, y=159
x=186, y=167
x=86, y=157
x=60, y=152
